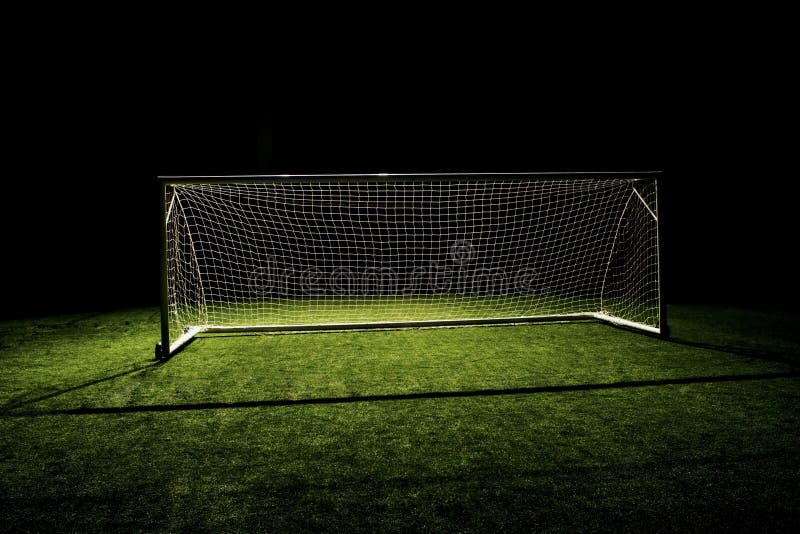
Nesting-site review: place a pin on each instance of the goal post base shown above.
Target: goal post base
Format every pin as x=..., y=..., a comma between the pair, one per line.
x=193, y=331
x=616, y=321
x=437, y=323
x=664, y=333
x=188, y=335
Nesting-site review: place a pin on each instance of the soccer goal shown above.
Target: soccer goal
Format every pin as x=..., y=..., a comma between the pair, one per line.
x=311, y=252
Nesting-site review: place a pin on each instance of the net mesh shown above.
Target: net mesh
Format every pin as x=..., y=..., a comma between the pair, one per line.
x=306, y=251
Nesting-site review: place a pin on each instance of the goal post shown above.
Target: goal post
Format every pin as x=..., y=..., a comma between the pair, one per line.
x=345, y=251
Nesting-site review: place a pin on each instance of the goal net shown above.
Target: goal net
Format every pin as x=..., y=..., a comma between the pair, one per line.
x=353, y=251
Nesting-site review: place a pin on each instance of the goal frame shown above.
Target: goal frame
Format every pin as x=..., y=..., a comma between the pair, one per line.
x=168, y=346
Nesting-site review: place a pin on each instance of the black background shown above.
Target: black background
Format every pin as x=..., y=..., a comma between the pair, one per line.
x=81, y=200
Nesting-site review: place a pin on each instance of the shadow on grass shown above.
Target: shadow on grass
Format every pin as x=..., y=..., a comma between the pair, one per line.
x=13, y=405
x=755, y=352
x=401, y=396
x=767, y=354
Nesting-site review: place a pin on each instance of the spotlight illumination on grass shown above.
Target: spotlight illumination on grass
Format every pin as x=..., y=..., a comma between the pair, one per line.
x=574, y=426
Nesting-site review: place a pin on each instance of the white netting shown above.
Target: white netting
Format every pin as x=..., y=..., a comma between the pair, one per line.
x=328, y=250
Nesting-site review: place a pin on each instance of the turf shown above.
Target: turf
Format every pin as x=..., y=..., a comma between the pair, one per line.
x=556, y=427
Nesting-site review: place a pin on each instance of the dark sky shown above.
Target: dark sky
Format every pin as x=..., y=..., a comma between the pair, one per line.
x=81, y=213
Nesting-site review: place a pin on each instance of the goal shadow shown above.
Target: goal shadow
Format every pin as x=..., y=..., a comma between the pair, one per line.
x=13, y=405
x=5, y=412
x=753, y=351
x=20, y=407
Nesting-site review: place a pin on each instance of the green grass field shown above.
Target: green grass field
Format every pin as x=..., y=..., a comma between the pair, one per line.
x=542, y=427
